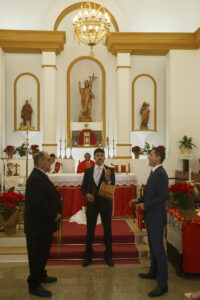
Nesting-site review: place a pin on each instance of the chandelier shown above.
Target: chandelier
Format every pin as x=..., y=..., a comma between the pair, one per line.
x=92, y=24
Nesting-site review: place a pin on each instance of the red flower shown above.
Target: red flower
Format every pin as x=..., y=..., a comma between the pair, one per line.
x=181, y=195
x=9, y=202
x=136, y=149
x=10, y=149
x=34, y=147
x=162, y=147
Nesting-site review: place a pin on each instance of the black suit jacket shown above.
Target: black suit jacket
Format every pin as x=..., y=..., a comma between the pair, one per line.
x=42, y=203
x=89, y=185
x=155, y=197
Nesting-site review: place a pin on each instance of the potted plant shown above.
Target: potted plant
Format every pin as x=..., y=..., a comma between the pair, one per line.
x=147, y=148
x=136, y=150
x=10, y=150
x=34, y=149
x=181, y=197
x=185, y=144
x=21, y=150
x=10, y=211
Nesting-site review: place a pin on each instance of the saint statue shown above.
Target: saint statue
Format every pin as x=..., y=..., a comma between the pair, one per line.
x=144, y=111
x=26, y=113
x=86, y=100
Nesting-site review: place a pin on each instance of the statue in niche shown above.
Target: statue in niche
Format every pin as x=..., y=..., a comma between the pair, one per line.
x=145, y=112
x=86, y=99
x=26, y=113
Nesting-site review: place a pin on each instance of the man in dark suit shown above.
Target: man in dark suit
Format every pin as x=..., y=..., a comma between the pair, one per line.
x=153, y=203
x=42, y=212
x=92, y=180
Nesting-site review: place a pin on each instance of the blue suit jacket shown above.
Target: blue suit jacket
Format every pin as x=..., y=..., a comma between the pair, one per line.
x=155, y=197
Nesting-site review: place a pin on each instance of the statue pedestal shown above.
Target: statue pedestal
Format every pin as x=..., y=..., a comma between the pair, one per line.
x=85, y=119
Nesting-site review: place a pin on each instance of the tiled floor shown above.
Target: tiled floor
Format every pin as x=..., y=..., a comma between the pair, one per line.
x=92, y=283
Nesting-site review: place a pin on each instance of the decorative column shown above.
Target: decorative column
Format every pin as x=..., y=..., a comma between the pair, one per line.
x=2, y=101
x=123, y=106
x=49, y=102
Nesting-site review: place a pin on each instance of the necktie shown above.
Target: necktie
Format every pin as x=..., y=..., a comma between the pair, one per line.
x=98, y=175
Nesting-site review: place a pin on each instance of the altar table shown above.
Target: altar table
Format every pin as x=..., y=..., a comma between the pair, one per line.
x=183, y=244
x=69, y=186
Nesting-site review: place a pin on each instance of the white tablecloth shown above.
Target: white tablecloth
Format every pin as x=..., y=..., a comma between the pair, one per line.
x=76, y=179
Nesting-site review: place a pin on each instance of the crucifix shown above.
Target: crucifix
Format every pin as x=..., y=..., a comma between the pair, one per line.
x=16, y=166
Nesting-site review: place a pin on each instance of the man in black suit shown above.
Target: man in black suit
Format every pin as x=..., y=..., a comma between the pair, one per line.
x=92, y=180
x=42, y=212
x=153, y=203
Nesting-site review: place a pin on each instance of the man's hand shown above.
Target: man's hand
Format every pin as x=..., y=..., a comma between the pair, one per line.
x=58, y=217
x=108, y=175
x=141, y=205
x=90, y=197
x=133, y=202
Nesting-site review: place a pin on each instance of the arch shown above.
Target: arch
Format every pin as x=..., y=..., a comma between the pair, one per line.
x=103, y=95
x=15, y=100
x=155, y=99
x=76, y=6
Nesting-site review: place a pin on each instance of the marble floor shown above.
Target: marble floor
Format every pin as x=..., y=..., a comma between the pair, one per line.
x=92, y=283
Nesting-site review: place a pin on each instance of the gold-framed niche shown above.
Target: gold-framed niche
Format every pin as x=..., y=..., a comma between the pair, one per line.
x=73, y=134
x=26, y=87
x=136, y=104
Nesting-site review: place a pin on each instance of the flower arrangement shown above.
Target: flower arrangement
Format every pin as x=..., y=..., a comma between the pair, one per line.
x=9, y=204
x=9, y=149
x=136, y=149
x=147, y=148
x=186, y=142
x=34, y=149
x=181, y=196
x=21, y=150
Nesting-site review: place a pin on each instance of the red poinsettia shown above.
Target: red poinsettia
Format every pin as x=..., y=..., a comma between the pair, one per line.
x=136, y=149
x=34, y=149
x=9, y=203
x=181, y=195
x=162, y=147
x=10, y=149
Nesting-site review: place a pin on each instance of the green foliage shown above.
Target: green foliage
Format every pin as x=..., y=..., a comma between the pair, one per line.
x=21, y=150
x=186, y=142
x=147, y=148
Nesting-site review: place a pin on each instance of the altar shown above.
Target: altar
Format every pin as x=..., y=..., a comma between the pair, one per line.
x=69, y=187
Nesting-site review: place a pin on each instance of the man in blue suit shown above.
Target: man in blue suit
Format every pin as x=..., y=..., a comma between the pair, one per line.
x=153, y=203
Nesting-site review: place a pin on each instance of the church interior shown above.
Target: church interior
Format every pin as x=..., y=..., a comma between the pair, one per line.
x=118, y=75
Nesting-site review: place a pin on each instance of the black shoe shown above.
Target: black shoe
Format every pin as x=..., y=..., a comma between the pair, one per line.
x=147, y=275
x=40, y=292
x=86, y=262
x=157, y=292
x=109, y=261
x=49, y=279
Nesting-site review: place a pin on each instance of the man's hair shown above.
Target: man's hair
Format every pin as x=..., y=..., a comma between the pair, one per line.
x=52, y=155
x=37, y=157
x=99, y=150
x=87, y=153
x=160, y=152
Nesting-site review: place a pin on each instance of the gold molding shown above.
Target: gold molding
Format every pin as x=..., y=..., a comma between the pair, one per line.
x=125, y=145
x=155, y=101
x=124, y=157
x=15, y=100
x=123, y=67
x=49, y=66
x=32, y=41
x=49, y=145
x=147, y=43
x=103, y=96
x=76, y=6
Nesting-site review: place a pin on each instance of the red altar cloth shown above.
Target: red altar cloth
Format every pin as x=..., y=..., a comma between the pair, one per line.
x=74, y=200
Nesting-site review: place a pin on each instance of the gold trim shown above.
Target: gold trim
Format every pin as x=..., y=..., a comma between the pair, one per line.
x=147, y=43
x=76, y=6
x=103, y=96
x=49, y=66
x=49, y=145
x=155, y=101
x=32, y=41
x=123, y=67
x=121, y=145
x=124, y=157
x=15, y=100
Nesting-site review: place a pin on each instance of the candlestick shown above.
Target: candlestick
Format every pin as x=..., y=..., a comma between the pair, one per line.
x=60, y=128
x=107, y=141
x=65, y=157
x=119, y=167
x=114, y=149
x=108, y=127
x=65, y=129
x=127, y=168
x=113, y=128
x=60, y=148
x=190, y=173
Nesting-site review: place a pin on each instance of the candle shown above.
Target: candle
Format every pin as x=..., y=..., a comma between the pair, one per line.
x=113, y=128
x=190, y=174
x=119, y=166
x=65, y=129
x=60, y=128
x=127, y=168
x=108, y=127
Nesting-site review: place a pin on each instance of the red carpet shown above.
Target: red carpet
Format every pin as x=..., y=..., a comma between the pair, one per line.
x=71, y=251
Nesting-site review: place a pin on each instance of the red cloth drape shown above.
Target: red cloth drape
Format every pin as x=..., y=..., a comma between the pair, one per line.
x=92, y=137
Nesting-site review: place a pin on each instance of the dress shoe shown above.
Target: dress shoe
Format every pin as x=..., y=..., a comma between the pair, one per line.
x=86, y=262
x=157, y=292
x=40, y=292
x=49, y=279
x=109, y=261
x=147, y=275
